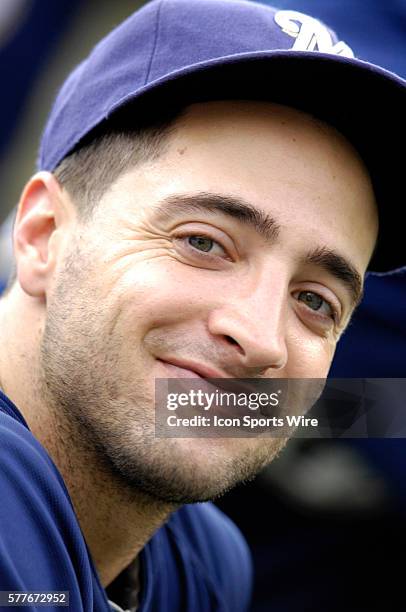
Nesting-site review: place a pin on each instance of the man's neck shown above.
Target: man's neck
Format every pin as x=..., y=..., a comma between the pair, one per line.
x=116, y=522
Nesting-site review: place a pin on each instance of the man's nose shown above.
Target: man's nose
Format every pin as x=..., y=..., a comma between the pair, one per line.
x=255, y=326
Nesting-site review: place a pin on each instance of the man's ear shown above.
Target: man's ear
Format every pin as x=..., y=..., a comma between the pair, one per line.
x=37, y=232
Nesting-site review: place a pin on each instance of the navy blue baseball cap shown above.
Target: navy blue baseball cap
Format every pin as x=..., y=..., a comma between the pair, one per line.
x=177, y=52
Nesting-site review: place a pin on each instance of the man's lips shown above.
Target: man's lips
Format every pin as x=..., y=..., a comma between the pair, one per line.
x=183, y=369
x=189, y=369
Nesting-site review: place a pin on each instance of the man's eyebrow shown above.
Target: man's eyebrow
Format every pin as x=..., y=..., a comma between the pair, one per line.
x=266, y=226
x=239, y=209
x=339, y=267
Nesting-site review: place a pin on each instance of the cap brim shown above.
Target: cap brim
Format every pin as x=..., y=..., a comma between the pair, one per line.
x=364, y=102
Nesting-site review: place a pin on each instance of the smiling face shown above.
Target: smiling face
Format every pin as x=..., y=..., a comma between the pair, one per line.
x=239, y=252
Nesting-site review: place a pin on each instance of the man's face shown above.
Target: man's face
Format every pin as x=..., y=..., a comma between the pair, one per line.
x=176, y=267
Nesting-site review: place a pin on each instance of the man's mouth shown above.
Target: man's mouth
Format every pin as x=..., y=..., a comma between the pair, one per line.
x=176, y=368
x=183, y=369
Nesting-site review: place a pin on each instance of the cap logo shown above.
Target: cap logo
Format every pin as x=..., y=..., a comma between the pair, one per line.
x=310, y=34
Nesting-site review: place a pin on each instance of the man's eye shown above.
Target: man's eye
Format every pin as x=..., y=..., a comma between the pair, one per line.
x=204, y=244
x=317, y=303
x=201, y=243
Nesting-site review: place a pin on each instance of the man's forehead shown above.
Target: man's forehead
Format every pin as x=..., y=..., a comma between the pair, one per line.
x=282, y=131
x=253, y=110
x=219, y=118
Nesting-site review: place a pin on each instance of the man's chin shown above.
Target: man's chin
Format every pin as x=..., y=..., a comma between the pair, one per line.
x=191, y=471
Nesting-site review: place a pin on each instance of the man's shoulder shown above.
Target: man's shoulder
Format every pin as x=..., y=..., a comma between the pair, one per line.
x=23, y=458
x=41, y=544
x=34, y=504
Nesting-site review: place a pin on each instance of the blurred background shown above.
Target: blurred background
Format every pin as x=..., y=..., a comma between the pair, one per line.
x=326, y=521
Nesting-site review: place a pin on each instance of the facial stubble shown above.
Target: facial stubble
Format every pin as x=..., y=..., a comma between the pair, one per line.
x=100, y=391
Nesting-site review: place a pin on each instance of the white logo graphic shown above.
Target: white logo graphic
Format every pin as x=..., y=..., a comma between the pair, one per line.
x=310, y=34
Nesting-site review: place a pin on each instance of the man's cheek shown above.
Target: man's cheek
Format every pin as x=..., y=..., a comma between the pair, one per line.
x=309, y=357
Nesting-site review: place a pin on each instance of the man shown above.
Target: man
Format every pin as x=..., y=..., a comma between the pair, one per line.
x=195, y=214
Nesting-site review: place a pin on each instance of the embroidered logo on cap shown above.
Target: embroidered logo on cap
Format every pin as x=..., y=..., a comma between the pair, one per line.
x=310, y=34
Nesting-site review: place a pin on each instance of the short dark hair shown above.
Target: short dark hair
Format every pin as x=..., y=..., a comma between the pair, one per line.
x=112, y=148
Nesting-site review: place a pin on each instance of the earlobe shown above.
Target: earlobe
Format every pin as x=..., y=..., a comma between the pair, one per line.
x=35, y=230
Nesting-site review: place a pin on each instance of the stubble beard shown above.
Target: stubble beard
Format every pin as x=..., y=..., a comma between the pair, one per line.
x=110, y=415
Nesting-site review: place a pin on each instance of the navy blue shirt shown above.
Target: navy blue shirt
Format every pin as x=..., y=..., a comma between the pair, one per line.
x=197, y=562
